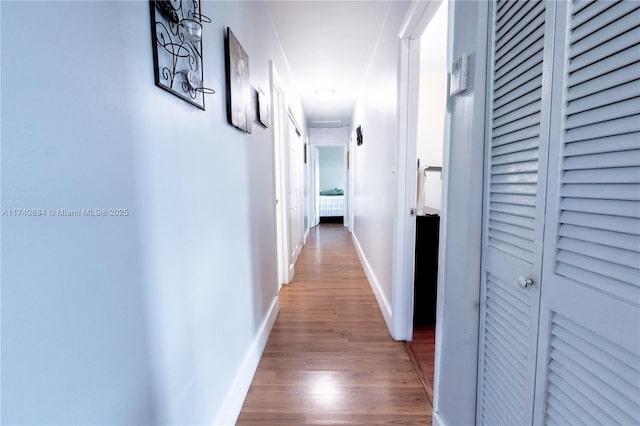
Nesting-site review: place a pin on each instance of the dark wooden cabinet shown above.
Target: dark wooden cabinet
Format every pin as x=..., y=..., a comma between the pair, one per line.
x=426, y=270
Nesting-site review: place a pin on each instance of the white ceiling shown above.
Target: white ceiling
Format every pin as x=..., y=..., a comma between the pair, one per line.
x=328, y=45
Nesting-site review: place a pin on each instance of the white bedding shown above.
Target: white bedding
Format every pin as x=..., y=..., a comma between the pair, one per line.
x=331, y=205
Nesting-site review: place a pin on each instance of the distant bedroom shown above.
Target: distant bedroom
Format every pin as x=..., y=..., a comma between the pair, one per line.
x=330, y=198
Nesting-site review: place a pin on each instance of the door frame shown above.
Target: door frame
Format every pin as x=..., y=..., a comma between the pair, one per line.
x=345, y=179
x=456, y=351
x=414, y=25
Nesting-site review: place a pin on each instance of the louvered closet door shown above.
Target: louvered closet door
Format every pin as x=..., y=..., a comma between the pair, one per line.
x=589, y=351
x=515, y=173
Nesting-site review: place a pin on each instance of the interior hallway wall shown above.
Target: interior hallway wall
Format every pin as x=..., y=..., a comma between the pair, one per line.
x=376, y=160
x=144, y=318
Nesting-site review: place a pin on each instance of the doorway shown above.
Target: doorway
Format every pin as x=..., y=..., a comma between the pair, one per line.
x=330, y=185
x=429, y=139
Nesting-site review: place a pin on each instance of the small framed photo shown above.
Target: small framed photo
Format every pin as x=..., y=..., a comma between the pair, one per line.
x=263, y=108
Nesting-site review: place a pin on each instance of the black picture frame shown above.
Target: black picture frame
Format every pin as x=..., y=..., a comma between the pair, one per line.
x=238, y=83
x=176, y=34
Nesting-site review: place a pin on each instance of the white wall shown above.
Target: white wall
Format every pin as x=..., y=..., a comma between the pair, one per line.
x=460, y=225
x=332, y=172
x=338, y=135
x=143, y=319
x=432, y=107
x=376, y=160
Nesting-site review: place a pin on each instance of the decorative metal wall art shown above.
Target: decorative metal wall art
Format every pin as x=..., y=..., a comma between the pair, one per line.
x=238, y=83
x=359, y=138
x=176, y=31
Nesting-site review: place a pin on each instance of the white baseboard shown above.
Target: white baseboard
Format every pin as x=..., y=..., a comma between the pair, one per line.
x=437, y=421
x=306, y=235
x=228, y=414
x=383, y=303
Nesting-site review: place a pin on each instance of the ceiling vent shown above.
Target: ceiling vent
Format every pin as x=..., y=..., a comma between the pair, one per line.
x=326, y=124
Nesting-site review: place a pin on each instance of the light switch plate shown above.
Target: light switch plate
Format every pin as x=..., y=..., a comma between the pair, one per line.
x=459, y=75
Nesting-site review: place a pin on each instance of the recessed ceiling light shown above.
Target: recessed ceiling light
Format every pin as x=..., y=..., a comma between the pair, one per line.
x=325, y=92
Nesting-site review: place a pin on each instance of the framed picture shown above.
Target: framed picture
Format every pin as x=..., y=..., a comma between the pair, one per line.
x=238, y=83
x=176, y=33
x=263, y=108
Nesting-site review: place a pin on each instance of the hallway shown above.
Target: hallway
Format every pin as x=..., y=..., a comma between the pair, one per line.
x=330, y=359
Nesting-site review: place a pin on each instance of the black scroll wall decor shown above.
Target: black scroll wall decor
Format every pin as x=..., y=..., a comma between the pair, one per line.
x=176, y=31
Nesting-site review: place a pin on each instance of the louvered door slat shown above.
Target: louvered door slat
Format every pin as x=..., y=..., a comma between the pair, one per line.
x=514, y=115
x=597, y=415
x=599, y=130
x=610, y=80
x=605, y=160
x=609, y=238
x=603, y=378
x=515, y=168
x=519, y=86
x=630, y=107
x=604, y=66
x=516, y=156
x=604, y=191
x=600, y=251
x=513, y=107
x=597, y=36
x=611, y=96
x=612, y=14
x=518, y=125
x=603, y=175
x=525, y=55
x=598, y=219
x=532, y=23
x=624, y=210
x=507, y=24
x=583, y=15
x=578, y=5
x=589, y=354
x=593, y=54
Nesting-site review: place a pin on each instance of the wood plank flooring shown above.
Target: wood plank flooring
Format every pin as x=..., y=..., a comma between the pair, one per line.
x=329, y=359
x=421, y=350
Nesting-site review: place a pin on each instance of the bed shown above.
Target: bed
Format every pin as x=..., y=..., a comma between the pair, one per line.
x=331, y=204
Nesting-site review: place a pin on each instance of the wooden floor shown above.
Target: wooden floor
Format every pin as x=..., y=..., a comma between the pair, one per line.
x=421, y=350
x=330, y=359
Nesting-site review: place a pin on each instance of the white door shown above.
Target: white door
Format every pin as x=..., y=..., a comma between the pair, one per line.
x=316, y=186
x=279, y=131
x=513, y=219
x=589, y=356
x=295, y=161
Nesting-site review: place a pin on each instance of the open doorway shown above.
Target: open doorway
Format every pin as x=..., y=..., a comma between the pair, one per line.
x=331, y=183
x=429, y=154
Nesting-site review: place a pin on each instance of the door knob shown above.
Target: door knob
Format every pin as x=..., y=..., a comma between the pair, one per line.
x=525, y=282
